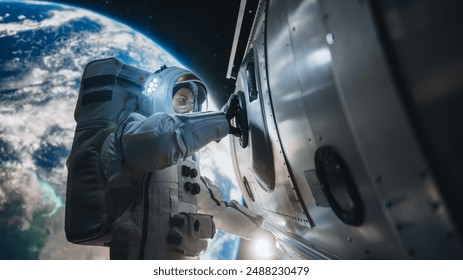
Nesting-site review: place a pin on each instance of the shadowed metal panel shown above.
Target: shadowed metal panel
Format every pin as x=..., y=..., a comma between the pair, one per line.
x=425, y=53
x=384, y=135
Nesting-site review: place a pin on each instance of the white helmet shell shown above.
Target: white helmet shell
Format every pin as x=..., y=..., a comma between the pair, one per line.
x=159, y=90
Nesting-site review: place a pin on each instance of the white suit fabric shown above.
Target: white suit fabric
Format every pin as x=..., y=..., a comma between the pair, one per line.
x=152, y=151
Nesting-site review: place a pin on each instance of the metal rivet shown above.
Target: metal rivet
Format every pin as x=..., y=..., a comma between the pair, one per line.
x=330, y=38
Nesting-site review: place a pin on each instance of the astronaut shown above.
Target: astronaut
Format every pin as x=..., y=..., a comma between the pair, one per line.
x=175, y=210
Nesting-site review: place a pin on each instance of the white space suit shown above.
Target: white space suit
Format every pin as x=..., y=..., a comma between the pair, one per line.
x=175, y=210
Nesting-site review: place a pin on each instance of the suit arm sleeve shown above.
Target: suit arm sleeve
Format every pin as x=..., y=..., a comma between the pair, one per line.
x=156, y=142
x=229, y=217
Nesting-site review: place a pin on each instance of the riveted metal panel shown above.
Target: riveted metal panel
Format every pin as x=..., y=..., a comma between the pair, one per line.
x=340, y=138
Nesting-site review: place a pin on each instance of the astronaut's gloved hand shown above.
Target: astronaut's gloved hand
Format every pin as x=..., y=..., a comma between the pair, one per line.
x=232, y=110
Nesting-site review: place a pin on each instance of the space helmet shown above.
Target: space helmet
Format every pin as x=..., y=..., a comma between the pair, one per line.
x=173, y=90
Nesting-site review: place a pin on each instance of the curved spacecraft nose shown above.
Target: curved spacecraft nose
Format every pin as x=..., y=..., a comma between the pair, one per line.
x=337, y=154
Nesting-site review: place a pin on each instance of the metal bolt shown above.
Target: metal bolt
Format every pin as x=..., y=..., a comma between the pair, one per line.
x=330, y=38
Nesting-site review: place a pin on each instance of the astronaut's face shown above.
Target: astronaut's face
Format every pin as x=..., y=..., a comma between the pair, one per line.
x=183, y=101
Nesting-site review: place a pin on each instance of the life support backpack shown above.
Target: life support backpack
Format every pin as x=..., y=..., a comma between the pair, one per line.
x=91, y=207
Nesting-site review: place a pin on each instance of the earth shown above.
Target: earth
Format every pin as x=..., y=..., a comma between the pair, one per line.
x=44, y=49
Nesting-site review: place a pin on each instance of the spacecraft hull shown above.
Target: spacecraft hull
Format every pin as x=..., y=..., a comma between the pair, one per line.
x=334, y=162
